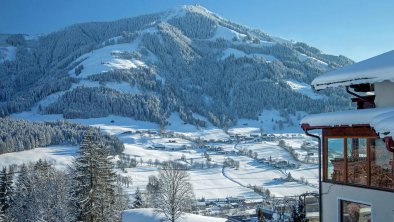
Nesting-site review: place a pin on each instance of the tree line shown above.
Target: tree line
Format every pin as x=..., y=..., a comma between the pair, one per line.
x=19, y=135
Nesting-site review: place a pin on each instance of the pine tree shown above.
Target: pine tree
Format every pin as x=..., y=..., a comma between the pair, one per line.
x=260, y=215
x=6, y=192
x=104, y=180
x=41, y=194
x=3, y=178
x=21, y=208
x=83, y=179
x=95, y=193
x=138, y=199
x=50, y=193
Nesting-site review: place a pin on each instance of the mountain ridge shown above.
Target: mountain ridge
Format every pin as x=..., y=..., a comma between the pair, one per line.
x=187, y=60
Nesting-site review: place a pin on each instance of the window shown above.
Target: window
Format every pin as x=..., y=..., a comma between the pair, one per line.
x=355, y=212
x=381, y=165
x=357, y=161
x=335, y=160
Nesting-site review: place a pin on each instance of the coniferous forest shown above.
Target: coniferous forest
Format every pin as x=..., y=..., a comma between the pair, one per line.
x=85, y=192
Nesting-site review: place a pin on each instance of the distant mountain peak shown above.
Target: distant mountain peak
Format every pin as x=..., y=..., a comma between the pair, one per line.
x=182, y=10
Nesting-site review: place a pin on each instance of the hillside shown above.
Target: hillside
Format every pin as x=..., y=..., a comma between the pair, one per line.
x=186, y=60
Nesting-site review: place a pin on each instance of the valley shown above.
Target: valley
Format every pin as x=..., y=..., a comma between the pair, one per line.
x=260, y=160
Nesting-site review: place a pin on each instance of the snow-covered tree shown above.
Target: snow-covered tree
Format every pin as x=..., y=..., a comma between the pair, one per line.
x=175, y=196
x=41, y=194
x=83, y=179
x=5, y=192
x=18, y=135
x=138, y=202
x=152, y=190
x=21, y=209
x=94, y=183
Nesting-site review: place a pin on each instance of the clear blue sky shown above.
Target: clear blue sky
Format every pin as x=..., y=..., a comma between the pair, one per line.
x=358, y=29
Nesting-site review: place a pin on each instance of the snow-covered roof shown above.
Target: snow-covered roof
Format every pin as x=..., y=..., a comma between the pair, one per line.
x=375, y=69
x=381, y=119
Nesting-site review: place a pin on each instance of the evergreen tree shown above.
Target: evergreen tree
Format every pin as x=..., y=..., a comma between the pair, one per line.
x=21, y=209
x=83, y=179
x=41, y=194
x=95, y=193
x=104, y=185
x=260, y=215
x=138, y=199
x=3, y=178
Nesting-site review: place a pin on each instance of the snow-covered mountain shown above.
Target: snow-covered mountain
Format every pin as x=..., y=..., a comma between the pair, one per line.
x=186, y=60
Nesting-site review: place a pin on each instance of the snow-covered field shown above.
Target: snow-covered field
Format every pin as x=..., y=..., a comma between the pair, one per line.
x=105, y=59
x=148, y=215
x=60, y=156
x=210, y=183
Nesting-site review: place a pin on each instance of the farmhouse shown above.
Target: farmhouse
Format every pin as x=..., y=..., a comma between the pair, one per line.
x=357, y=145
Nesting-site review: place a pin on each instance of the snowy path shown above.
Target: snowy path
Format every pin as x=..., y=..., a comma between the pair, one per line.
x=231, y=179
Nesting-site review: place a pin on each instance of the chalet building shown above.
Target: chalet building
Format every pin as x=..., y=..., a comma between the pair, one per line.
x=357, y=176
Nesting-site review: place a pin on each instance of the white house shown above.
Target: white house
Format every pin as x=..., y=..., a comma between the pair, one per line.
x=357, y=182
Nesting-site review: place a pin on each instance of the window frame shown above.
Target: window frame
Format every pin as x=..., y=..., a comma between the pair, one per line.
x=340, y=205
x=351, y=133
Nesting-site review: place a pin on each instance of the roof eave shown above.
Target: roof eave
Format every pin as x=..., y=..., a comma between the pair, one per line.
x=306, y=126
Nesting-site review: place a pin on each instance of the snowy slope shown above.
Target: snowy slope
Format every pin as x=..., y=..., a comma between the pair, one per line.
x=304, y=89
x=7, y=53
x=238, y=54
x=226, y=33
x=148, y=215
x=105, y=59
x=302, y=57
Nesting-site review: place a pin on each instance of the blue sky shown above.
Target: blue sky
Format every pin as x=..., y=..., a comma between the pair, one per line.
x=358, y=29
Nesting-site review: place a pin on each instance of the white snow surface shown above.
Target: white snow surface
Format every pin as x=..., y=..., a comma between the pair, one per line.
x=226, y=33
x=375, y=69
x=229, y=35
x=304, y=89
x=381, y=119
x=267, y=119
x=302, y=57
x=148, y=215
x=253, y=173
x=211, y=183
x=60, y=156
x=239, y=54
x=7, y=53
x=105, y=59
x=181, y=11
